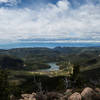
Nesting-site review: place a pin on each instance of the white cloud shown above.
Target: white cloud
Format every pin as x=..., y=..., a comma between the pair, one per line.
x=10, y=2
x=53, y=21
x=3, y=1
x=63, y=4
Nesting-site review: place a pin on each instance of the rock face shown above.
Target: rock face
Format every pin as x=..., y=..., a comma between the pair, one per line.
x=97, y=90
x=75, y=96
x=69, y=91
x=88, y=94
x=67, y=94
x=28, y=96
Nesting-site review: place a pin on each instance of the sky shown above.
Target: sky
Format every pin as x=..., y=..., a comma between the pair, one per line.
x=49, y=21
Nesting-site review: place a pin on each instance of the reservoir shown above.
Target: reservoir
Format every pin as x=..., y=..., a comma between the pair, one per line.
x=53, y=65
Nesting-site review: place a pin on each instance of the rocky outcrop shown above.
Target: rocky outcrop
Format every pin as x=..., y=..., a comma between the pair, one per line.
x=69, y=91
x=97, y=90
x=75, y=96
x=86, y=94
x=28, y=96
x=89, y=94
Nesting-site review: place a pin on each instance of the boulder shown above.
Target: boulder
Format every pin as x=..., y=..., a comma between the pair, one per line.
x=67, y=93
x=25, y=95
x=88, y=94
x=75, y=96
x=28, y=96
x=97, y=90
x=12, y=97
x=32, y=97
x=34, y=94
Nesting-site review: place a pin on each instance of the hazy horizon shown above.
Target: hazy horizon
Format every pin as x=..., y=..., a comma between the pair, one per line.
x=49, y=45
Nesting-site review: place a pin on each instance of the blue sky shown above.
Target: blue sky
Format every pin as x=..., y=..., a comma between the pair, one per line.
x=49, y=21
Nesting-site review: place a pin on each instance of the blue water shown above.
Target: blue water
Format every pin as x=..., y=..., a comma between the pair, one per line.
x=49, y=45
x=53, y=66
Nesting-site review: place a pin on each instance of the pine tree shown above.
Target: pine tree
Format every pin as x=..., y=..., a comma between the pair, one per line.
x=4, y=86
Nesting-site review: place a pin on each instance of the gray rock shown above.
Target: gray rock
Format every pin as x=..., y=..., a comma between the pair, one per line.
x=28, y=96
x=97, y=90
x=88, y=94
x=75, y=96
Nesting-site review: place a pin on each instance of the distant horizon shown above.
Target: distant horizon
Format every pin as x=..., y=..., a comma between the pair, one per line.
x=48, y=45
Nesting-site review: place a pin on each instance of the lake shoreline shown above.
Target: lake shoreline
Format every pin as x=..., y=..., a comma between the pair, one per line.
x=53, y=67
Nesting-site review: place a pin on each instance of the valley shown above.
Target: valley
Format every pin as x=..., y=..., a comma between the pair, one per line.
x=56, y=69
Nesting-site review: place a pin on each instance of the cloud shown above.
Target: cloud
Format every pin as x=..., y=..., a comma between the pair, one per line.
x=3, y=1
x=63, y=4
x=53, y=21
x=10, y=2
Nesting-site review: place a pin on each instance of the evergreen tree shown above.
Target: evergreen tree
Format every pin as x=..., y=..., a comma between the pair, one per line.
x=76, y=70
x=4, y=86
